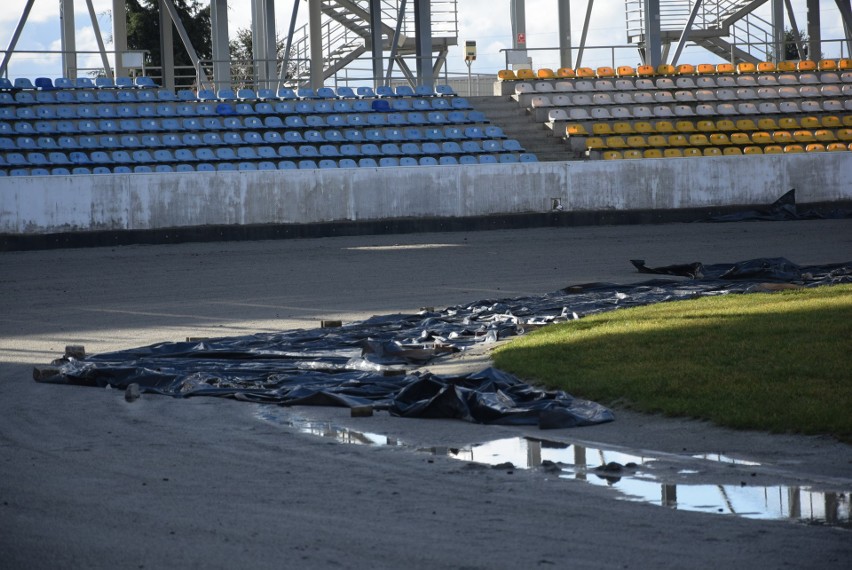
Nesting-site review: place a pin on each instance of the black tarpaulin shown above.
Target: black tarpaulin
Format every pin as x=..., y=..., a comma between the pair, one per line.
x=375, y=362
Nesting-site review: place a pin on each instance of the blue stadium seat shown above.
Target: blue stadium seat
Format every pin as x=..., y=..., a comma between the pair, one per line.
x=308, y=151
x=355, y=120
x=108, y=141
x=162, y=168
x=512, y=145
x=125, y=111
x=225, y=167
x=350, y=150
x=346, y=92
x=57, y=157
x=244, y=166
x=67, y=143
x=411, y=149
x=123, y=82
x=142, y=156
x=36, y=159
x=374, y=135
x=45, y=97
x=287, y=94
x=287, y=165
x=400, y=105
x=6, y=84
x=326, y=93
x=365, y=92
x=494, y=132
x=307, y=165
x=247, y=153
x=342, y=107
x=491, y=146
x=313, y=137
x=206, y=95
x=423, y=91
x=389, y=161
x=293, y=137
x=60, y=171
x=205, y=167
x=144, y=81
x=408, y=161
x=377, y=119
x=444, y=90
x=472, y=147
x=338, y=120
x=142, y=169
x=232, y=138
x=122, y=96
x=266, y=152
x=23, y=83
x=487, y=159
x=146, y=96
x=26, y=143
x=19, y=172
x=437, y=118
x=354, y=135
x=467, y=159
x=350, y=163
x=225, y=153
x=184, y=155
x=333, y=135
x=370, y=149
x=186, y=95
x=380, y=106
x=431, y=148
x=253, y=123
x=264, y=108
x=201, y=109
x=104, y=83
x=383, y=91
x=89, y=141
x=460, y=103
x=390, y=149
x=507, y=158
x=76, y=157
x=211, y=124
x=420, y=105
x=306, y=93
x=266, y=165
x=294, y=122
x=528, y=157
x=327, y=163
x=433, y=134
x=362, y=106
x=328, y=150
x=122, y=169
x=166, y=95
x=163, y=155
x=244, y=109
x=172, y=140
x=451, y=147
x=448, y=160
x=252, y=137
x=205, y=154
x=394, y=134
x=453, y=133
x=81, y=170
x=265, y=94
x=246, y=94
x=100, y=157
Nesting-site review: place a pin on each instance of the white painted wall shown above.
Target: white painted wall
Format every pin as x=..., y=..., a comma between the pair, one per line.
x=49, y=204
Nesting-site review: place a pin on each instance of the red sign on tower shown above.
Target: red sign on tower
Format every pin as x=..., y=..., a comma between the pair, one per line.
x=522, y=38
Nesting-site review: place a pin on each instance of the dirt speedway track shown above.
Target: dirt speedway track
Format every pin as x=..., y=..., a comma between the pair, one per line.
x=88, y=480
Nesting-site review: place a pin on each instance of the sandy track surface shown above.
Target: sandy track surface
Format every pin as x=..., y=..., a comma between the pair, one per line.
x=89, y=480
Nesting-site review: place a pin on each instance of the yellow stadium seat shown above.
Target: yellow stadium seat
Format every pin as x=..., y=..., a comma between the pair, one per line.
x=844, y=64
x=815, y=147
x=584, y=72
x=706, y=69
x=844, y=135
x=803, y=136
x=665, y=69
x=664, y=127
x=752, y=150
x=788, y=123
x=678, y=140
x=692, y=152
x=806, y=65
x=525, y=74
x=593, y=143
x=643, y=127
x=831, y=122
x=645, y=71
x=827, y=65
x=685, y=127
x=653, y=153
x=719, y=139
x=766, y=67
x=636, y=141
x=810, y=123
x=746, y=67
x=783, y=66
x=746, y=125
x=565, y=72
x=546, y=73
x=612, y=155
x=767, y=124
x=725, y=125
x=782, y=137
x=506, y=75
x=698, y=140
x=791, y=148
x=616, y=142
x=605, y=72
x=705, y=126
x=731, y=151
x=673, y=153
x=623, y=128
x=601, y=129
x=825, y=135
x=575, y=129
x=625, y=71
x=761, y=137
x=773, y=149
x=741, y=139
x=633, y=154
x=847, y=120
x=835, y=147
x=657, y=141
x=712, y=151
x=685, y=69
x=725, y=68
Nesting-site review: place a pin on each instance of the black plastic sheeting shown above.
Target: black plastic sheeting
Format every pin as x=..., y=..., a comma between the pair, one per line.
x=375, y=362
x=782, y=209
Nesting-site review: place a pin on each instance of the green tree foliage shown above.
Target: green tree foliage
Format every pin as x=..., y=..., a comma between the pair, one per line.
x=143, y=31
x=242, y=66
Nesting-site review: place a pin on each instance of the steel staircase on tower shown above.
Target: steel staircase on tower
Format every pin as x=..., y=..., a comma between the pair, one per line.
x=727, y=28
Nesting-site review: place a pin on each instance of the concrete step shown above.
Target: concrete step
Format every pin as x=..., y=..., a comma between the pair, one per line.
x=518, y=124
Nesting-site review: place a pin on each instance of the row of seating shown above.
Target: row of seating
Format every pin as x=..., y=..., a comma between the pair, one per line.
x=708, y=126
x=727, y=151
x=47, y=84
x=742, y=139
x=192, y=153
x=366, y=162
x=682, y=69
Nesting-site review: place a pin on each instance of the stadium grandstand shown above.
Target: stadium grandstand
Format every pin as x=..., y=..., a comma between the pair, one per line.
x=299, y=142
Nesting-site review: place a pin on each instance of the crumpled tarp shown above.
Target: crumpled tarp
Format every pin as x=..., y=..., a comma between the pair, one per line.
x=375, y=362
x=782, y=209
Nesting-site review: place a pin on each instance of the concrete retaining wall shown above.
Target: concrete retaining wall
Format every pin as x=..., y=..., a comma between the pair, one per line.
x=44, y=205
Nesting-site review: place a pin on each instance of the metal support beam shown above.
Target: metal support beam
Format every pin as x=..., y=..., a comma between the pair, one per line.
x=20, y=27
x=585, y=32
x=220, y=39
x=423, y=41
x=565, y=33
x=119, y=35
x=396, y=40
x=846, y=13
x=263, y=41
x=777, y=20
x=315, y=32
x=519, y=24
x=797, y=34
x=376, y=43
x=167, y=48
x=814, y=34
x=187, y=44
x=684, y=35
x=653, y=46
x=283, y=73
x=68, y=38
x=99, y=38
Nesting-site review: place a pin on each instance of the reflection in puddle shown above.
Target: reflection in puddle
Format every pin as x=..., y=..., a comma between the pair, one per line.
x=628, y=474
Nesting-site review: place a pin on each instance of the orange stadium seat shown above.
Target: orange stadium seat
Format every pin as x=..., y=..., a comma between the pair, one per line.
x=685, y=69
x=643, y=127
x=506, y=75
x=810, y=123
x=645, y=71
x=712, y=151
x=625, y=71
x=673, y=153
x=653, y=153
x=725, y=68
x=766, y=67
x=825, y=135
x=575, y=129
x=633, y=153
x=565, y=72
x=806, y=65
x=844, y=64
x=786, y=66
x=827, y=65
x=546, y=73
x=752, y=150
x=741, y=139
x=746, y=67
x=706, y=69
x=836, y=147
x=612, y=155
x=692, y=152
x=731, y=151
x=525, y=74
x=602, y=72
x=585, y=72
x=725, y=125
x=790, y=148
x=719, y=139
x=815, y=147
x=665, y=69
x=773, y=149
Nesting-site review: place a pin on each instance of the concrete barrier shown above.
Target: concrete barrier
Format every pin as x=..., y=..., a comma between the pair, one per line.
x=59, y=204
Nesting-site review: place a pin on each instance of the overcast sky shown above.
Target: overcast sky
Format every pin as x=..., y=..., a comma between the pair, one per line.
x=485, y=21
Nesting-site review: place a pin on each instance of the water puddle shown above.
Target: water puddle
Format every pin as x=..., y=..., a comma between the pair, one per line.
x=630, y=475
